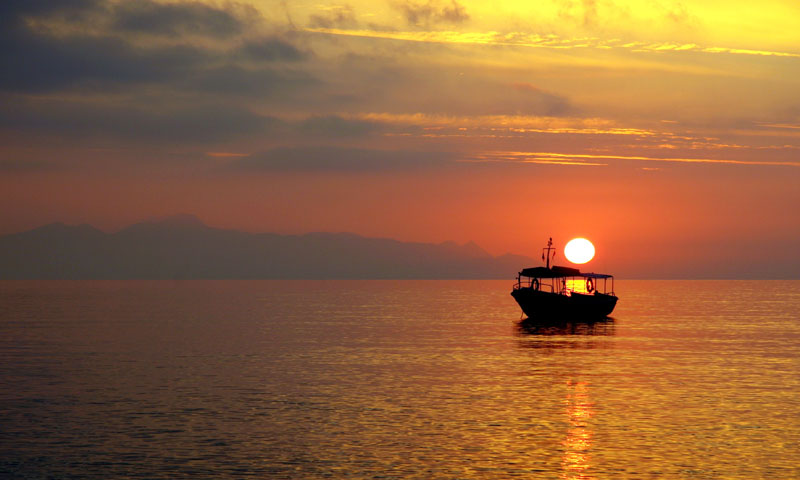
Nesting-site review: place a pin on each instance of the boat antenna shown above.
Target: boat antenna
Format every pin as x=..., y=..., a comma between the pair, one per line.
x=546, y=256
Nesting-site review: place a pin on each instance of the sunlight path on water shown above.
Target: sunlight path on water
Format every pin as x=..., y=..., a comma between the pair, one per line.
x=395, y=379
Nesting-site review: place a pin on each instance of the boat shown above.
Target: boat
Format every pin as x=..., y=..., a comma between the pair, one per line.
x=563, y=293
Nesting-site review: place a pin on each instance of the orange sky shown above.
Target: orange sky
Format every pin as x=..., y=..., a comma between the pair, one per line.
x=666, y=132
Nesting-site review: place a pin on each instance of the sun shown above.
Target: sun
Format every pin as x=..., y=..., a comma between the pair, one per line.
x=579, y=250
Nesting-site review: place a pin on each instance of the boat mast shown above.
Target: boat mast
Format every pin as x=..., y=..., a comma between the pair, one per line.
x=548, y=249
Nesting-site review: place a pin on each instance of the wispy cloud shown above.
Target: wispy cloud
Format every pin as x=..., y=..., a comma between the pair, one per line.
x=578, y=158
x=552, y=41
x=432, y=11
x=780, y=125
x=509, y=123
x=334, y=16
x=227, y=154
x=500, y=157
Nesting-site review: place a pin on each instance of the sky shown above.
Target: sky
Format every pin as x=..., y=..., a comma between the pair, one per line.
x=666, y=132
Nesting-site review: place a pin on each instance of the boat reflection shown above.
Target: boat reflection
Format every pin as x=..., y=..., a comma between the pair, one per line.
x=551, y=336
x=604, y=327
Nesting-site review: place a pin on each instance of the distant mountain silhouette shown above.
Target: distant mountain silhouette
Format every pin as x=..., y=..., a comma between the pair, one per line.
x=183, y=247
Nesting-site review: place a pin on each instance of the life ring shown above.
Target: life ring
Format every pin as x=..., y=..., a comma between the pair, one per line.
x=589, y=285
x=535, y=284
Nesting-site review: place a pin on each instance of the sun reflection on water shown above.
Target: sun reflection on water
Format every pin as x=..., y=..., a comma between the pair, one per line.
x=576, y=460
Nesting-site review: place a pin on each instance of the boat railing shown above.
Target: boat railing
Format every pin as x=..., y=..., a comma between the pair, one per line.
x=542, y=284
x=568, y=285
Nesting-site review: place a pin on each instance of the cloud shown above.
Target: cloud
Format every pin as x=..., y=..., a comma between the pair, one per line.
x=14, y=12
x=537, y=101
x=180, y=18
x=550, y=41
x=41, y=61
x=510, y=123
x=38, y=64
x=330, y=158
x=84, y=70
x=578, y=158
x=677, y=12
x=272, y=49
x=338, y=16
x=157, y=123
x=235, y=80
x=589, y=12
x=335, y=126
x=432, y=11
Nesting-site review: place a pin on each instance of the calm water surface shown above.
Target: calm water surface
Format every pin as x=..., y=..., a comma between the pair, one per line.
x=395, y=379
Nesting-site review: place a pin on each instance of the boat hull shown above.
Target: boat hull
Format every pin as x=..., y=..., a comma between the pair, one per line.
x=545, y=305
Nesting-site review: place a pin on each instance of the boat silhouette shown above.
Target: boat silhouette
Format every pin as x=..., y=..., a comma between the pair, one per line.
x=548, y=293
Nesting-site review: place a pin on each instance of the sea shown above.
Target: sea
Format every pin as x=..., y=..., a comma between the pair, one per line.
x=395, y=380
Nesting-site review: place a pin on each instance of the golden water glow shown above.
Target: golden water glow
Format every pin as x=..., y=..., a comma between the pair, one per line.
x=578, y=285
x=579, y=250
x=576, y=460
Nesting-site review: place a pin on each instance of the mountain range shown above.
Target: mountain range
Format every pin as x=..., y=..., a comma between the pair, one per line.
x=183, y=247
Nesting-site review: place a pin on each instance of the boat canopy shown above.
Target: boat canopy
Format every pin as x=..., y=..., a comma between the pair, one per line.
x=555, y=272
x=596, y=275
x=558, y=272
